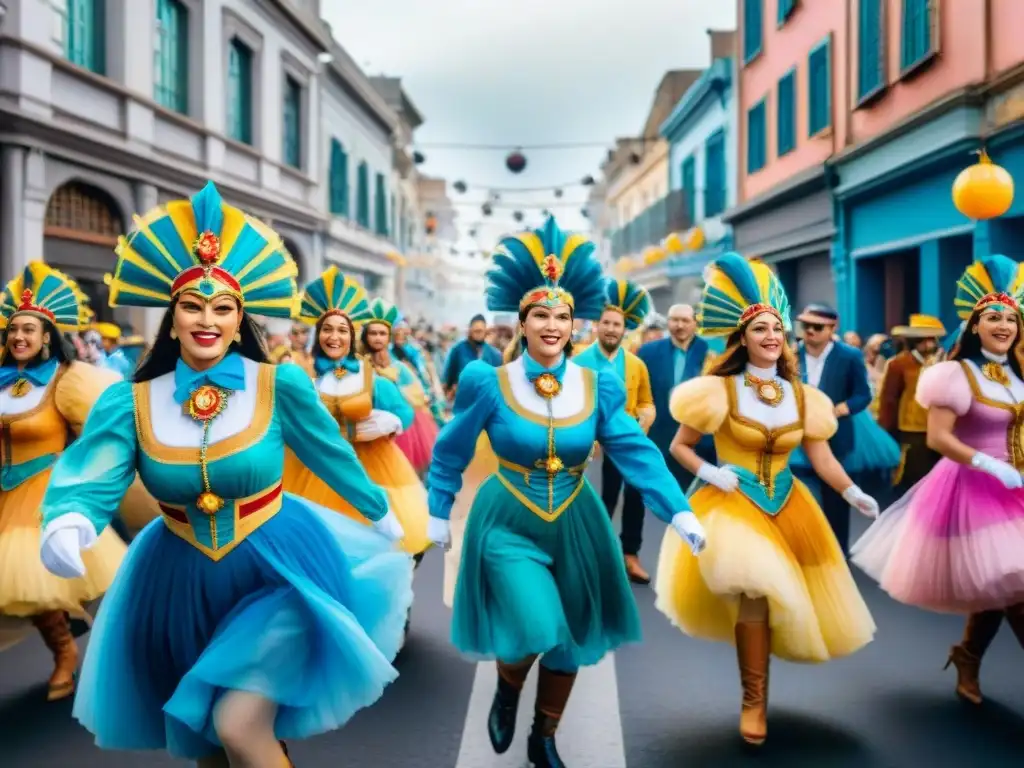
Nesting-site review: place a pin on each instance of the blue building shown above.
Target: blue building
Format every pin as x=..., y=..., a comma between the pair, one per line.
x=701, y=132
x=900, y=243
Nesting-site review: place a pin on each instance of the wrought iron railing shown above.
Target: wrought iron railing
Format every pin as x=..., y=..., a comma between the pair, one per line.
x=672, y=213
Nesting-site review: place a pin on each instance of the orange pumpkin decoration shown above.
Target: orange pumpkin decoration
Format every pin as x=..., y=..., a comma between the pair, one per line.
x=984, y=190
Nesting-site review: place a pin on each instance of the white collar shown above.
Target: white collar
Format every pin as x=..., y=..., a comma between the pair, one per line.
x=762, y=373
x=993, y=357
x=824, y=352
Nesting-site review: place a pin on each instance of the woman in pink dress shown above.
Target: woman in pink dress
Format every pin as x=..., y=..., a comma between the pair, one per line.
x=955, y=542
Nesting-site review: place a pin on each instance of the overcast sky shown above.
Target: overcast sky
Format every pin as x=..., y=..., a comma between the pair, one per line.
x=521, y=72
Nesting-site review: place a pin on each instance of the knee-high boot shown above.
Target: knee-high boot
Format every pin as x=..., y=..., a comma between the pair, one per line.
x=1015, y=618
x=979, y=632
x=553, y=689
x=753, y=648
x=56, y=632
x=501, y=722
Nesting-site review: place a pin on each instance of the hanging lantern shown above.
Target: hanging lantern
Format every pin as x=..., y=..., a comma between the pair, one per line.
x=584, y=213
x=472, y=232
x=545, y=213
x=517, y=215
x=558, y=193
x=486, y=209
x=983, y=190
x=430, y=224
x=516, y=161
x=418, y=158
x=587, y=181
x=674, y=243
x=460, y=187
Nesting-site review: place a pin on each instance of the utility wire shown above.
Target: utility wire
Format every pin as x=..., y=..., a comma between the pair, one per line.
x=516, y=147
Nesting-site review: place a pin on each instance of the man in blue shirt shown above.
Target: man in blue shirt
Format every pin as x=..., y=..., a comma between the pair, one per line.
x=473, y=347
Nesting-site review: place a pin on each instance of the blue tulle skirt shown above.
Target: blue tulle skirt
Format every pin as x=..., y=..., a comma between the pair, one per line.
x=531, y=587
x=874, y=449
x=308, y=612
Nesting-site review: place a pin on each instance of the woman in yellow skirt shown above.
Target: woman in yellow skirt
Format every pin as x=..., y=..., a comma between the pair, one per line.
x=777, y=581
x=369, y=410
x=44, y=396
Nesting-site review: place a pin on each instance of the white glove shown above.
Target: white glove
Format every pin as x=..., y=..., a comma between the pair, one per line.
x=723, y=478
x=390, y=527
x=439, y=531
x=62, y=543
x=378, y=424
x=1000, y=470
x=689, y=528
x=860, y=501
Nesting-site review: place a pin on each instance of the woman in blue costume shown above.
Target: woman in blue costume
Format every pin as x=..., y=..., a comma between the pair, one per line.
x=541, y=573
x=245, y=615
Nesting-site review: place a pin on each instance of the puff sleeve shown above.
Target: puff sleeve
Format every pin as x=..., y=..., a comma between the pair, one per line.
x=944, y=385
x=700, y=404
x=79, y=389
x=819, y=417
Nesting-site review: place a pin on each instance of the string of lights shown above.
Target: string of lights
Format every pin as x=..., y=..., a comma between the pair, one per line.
x=521, y=204
x=508, y=147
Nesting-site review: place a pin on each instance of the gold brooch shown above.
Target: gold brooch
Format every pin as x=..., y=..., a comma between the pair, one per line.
x=21, y=387
x=206, y=403
x=996, y=372
x=547, y=386
x=553, y=465
x=768, y=391
x=339, y=373
x=209, y=503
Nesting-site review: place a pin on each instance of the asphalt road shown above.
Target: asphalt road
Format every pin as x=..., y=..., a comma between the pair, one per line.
x=667, y=703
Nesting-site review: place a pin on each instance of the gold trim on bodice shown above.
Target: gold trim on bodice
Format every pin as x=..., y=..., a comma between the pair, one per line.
x=47, y=442
x=336, y=403
x=1014, y=430
x=589, y=386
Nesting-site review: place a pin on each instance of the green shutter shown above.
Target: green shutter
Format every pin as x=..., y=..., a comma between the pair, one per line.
x=688, y=183
x=785, y=129
x=714, y=174
x=338, y=179
x=753, y=28
x=869, y=44
x=819, y=89
x=85, y=42
x=239, y=118
x=292, y=134
x=916, y=32
x=380, y=215
x=171, y=56
x=786, y=8
x=363, y=195
x=756, y=139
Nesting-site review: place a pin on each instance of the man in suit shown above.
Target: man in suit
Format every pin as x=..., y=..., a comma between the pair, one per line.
x=473, y=347
x=838, y=370
x=670, y=361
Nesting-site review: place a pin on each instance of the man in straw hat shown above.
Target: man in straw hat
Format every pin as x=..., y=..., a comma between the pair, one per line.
x=898, y=410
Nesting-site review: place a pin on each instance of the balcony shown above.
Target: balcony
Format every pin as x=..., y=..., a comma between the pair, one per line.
x=672, y=213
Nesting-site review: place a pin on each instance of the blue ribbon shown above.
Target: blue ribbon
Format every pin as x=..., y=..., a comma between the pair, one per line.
x=324, y=365
x=228, y=374
x=534, y=369
x=38, y=375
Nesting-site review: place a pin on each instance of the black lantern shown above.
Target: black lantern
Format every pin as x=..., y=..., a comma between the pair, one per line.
x=517, y=215
x=472, y=232
x=486, y=209
x=584, y=213
x=545, y=213
x=558, y=193
x=588, y=181
x=460, y=187
x=516, y=161
x=418, y=158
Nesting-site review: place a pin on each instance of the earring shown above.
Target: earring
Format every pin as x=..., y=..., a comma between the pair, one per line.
x=974, y=330
x=237, y=338
x=174, y=334
x=45, y=353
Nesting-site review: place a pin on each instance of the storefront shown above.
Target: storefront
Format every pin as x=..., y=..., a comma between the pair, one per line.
x=901, y=244
x=791, y=227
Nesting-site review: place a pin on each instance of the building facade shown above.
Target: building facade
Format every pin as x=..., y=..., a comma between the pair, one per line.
x=931, y=83
x=701, y=134
x=108, y=108
x=790, y=91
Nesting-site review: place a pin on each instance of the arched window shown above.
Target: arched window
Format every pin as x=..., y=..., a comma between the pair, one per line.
x=78, y=211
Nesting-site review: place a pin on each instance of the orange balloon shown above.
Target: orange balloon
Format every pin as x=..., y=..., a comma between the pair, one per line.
x=983, y=190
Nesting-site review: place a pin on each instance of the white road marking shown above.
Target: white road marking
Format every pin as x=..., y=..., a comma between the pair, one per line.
x=590, y=735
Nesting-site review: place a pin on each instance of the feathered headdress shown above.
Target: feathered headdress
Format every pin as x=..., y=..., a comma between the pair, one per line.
x=86, y=316
x=383, y=312
x=333, y=293
x=206, y=247
x=736, y=290
x=546, y=267
x=43, y=292
x=992, y=282
x=630, y=299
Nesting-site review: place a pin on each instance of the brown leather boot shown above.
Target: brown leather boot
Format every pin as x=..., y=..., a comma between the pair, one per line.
x=553, y=689
x=56, y=632
x=979, y=632
x=635, y=571
x=753, y=646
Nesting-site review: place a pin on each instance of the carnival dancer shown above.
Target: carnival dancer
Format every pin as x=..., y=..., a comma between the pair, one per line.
x=626, y=306
x=540, y=574
x=899, y=413
x=955, y=542
x=390, y=361
x=44, y=397
x=368, y=408
x=247, y=615
x=775, y=579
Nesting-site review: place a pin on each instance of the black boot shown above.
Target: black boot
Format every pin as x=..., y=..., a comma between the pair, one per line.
x=541, y=750
x=501, y=722
x=284, y=748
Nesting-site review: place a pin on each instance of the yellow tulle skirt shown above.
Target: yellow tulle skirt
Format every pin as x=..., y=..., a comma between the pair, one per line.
x=483, y=465
x=387, y=467
x=26, y=587
x=816, y=612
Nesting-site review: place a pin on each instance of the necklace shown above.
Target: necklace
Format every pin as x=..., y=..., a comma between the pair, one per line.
x=547, y=386
x=996, y=372
x=205, y=404
x=768, y=391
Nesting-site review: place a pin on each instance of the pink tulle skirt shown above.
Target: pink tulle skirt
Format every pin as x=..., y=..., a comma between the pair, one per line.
x=954, y=543
x=417, y=442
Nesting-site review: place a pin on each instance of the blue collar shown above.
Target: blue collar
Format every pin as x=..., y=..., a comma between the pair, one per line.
x=228, y=374
x=325, y=365
x=38, y=375
x=535, y=369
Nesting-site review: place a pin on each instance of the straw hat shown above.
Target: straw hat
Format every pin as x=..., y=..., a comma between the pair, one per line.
x=920, y=327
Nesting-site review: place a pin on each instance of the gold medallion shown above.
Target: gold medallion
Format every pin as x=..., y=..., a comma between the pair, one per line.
x=206, y=403
x=553, y=465
x=21, y=387
x=209, y=503
x=996, y=372
x=339, y=373
x=547, y=386
x=768, y=391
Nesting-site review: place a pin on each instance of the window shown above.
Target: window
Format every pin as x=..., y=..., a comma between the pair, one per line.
x=917, y=33
x=786, y=8
x=380, y=206
x=714, y=174
x=363, y=195
x=869, y=42
x=292, y=149
x=688, y=183
x=819, y=90
x=239, y=91
x=83, y=35
x=170, y=86
x=785, y=125
x=338, y=179
x=753, y=26
x=394, y=230
x=756, y=139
